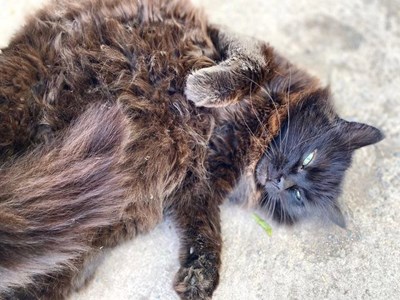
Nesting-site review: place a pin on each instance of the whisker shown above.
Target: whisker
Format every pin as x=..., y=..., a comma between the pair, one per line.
x=319, y=134
x=267, y=202
x=288, y=107
x=273, y=207
x=263, y=89
x=249, y=129
x=270, y=205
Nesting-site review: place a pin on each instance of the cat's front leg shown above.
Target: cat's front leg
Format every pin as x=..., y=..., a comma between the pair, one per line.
x=244, y=66
x=200, y=259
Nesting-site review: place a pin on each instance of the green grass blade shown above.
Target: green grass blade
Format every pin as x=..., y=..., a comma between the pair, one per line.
x=264, y=225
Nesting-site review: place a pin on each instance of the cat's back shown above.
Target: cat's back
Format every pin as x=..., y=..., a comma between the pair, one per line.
x=72, y=53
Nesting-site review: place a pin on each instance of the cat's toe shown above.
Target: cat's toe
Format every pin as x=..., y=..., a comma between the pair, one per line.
x=189, y=284
x=192, y=282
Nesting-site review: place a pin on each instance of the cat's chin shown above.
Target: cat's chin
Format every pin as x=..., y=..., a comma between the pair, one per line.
x=276, y=207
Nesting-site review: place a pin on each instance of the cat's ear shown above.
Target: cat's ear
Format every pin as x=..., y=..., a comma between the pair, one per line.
x=336, y=216
x=357, y=135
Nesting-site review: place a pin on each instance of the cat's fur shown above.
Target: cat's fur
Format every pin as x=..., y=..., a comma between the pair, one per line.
x=98, y=140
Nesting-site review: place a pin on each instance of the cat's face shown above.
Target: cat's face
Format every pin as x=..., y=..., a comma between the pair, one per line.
x=301, y=172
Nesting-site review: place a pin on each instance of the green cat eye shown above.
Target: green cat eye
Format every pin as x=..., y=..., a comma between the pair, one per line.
x=309, y=159
x=297, y=194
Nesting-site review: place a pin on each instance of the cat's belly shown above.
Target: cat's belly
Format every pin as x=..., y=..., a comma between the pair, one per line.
x=71, y=57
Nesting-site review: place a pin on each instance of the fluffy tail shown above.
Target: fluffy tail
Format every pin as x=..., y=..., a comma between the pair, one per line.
x=53, y=200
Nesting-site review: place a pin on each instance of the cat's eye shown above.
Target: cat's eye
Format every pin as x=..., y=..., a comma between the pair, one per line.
x=309, y=158
x=297, y=194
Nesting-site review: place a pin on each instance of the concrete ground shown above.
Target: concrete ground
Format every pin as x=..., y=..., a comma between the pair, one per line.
x=355, y=47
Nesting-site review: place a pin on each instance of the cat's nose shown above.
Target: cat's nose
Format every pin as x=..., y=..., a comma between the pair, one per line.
x=285, y=183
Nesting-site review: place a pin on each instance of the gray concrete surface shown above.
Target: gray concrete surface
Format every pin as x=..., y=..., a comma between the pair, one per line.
x=355, y=47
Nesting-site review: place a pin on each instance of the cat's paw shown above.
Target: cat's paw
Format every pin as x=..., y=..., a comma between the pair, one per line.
x=210, y=87
x=197, y=280
x=203, y=86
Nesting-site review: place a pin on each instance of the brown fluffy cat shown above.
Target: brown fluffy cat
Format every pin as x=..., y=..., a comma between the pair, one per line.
x=98, y=140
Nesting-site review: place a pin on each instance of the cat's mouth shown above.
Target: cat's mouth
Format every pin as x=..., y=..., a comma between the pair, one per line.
x=269, y=188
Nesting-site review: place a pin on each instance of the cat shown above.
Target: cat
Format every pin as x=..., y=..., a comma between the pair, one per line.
x=114, y=113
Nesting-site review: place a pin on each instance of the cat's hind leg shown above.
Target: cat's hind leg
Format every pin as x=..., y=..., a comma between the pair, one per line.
x=53, y=202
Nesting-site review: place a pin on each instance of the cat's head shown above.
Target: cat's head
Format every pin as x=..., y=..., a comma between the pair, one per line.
x=301, y=171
